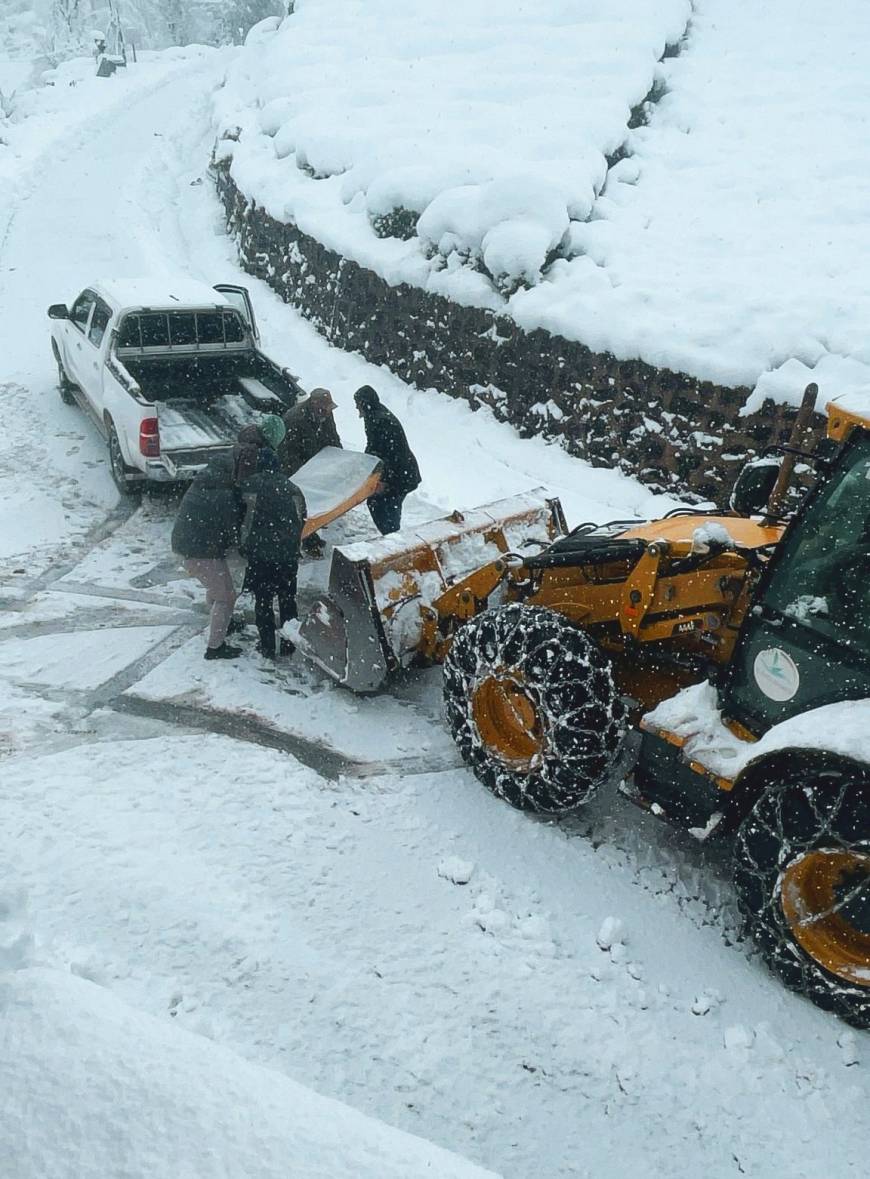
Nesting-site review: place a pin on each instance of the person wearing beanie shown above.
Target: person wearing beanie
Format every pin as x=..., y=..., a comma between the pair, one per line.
x=310, y=426
x=273, y=430
x=400, y=473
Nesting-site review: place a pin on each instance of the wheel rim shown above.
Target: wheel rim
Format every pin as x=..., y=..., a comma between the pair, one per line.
x=506, y=717
x=825, y=898
x=115, y=457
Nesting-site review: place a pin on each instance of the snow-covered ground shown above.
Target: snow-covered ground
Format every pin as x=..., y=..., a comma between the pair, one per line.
x=204, y=863
x=724, y=246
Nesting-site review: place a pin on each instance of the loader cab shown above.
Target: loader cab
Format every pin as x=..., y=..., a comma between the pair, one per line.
x=805, y=641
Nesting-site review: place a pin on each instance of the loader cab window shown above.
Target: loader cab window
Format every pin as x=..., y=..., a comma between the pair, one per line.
x=99, y=323
x=81, y=310
x=822, y=575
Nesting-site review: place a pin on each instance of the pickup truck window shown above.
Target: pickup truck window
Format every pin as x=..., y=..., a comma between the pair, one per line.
x=180, y=329
x=234, y=331
x=99, y=323
x=210, y=328
x=155, y=331
x=81, y=309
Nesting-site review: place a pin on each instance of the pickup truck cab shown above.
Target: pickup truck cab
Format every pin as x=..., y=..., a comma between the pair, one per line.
x=168, y=371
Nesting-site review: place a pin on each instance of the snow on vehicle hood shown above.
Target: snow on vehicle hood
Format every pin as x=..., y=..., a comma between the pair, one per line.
x=842, y=728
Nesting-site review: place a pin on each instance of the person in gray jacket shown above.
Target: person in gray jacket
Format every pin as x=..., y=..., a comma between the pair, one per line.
x=206, y=528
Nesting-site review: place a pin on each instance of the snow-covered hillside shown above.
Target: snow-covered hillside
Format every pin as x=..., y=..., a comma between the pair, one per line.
x=480, y=130
x=724, y=245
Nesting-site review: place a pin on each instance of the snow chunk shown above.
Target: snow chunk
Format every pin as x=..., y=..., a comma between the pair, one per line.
x=455, y=870
x=737, y=1037
x=611, y=933
x=709, y=534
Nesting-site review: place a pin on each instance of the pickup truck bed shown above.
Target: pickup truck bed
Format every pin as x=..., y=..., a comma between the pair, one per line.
x=202, y=403
x=202, y=378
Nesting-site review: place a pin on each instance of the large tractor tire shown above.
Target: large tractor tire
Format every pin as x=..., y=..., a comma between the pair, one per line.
x=533, y=707
x=802, y=873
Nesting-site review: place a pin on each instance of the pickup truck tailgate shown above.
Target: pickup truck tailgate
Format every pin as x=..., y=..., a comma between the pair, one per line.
x=191, y=432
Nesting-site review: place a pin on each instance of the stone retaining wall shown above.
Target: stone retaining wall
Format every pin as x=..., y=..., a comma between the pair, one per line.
x=669, y=429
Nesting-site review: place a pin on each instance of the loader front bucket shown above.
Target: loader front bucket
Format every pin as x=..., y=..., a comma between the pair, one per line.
x=343, y=633
x=382, y=592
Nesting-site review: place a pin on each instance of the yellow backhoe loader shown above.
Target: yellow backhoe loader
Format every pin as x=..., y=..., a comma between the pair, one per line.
x=710, y=663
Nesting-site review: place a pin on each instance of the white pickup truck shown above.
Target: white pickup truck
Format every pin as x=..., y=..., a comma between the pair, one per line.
x=168, y=371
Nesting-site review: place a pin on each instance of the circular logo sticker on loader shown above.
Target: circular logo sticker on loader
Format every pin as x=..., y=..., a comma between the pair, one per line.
x=776, y=674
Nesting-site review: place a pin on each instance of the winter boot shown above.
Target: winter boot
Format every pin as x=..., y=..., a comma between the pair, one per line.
x=224, y=651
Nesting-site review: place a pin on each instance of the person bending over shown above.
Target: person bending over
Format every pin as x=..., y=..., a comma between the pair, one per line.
x=206, y=528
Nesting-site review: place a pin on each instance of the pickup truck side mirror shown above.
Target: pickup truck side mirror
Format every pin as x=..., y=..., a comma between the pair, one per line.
x=58, y=311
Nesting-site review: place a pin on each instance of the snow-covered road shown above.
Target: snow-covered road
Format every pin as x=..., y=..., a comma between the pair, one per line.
x=343, y=904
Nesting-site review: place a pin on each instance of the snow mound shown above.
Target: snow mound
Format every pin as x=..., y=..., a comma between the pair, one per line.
x=93, y=1088
x=477, y=133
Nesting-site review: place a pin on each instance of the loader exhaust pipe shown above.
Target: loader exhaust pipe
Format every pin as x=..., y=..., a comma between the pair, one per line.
x=796, y=442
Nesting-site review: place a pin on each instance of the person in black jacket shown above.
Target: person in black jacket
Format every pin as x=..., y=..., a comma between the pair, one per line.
x=206, y=528
x=400, y=473
x=270, y=538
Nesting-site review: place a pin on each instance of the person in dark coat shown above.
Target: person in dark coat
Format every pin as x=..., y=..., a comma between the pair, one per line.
x=310, y=426
x=206, y=528
x=270, y=538
x=400, y=473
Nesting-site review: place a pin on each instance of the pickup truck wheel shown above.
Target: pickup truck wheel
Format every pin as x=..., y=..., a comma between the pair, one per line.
x=120, y=471
x=533, y=708
x=64, y=384
x=802, y=873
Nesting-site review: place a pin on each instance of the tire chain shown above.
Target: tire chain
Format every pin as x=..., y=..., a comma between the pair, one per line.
x=585, y=731
x=758, y=884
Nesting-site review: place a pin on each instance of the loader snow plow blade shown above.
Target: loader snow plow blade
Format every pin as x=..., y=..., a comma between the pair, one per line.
x=383, y=594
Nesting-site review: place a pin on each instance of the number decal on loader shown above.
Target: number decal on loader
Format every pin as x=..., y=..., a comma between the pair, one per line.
x=687, y=627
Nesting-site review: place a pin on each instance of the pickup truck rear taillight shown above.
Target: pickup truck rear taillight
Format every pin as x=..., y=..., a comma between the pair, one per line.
x=149, y=438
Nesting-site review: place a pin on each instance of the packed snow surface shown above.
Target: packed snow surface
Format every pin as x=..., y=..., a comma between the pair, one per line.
x=725, y=245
